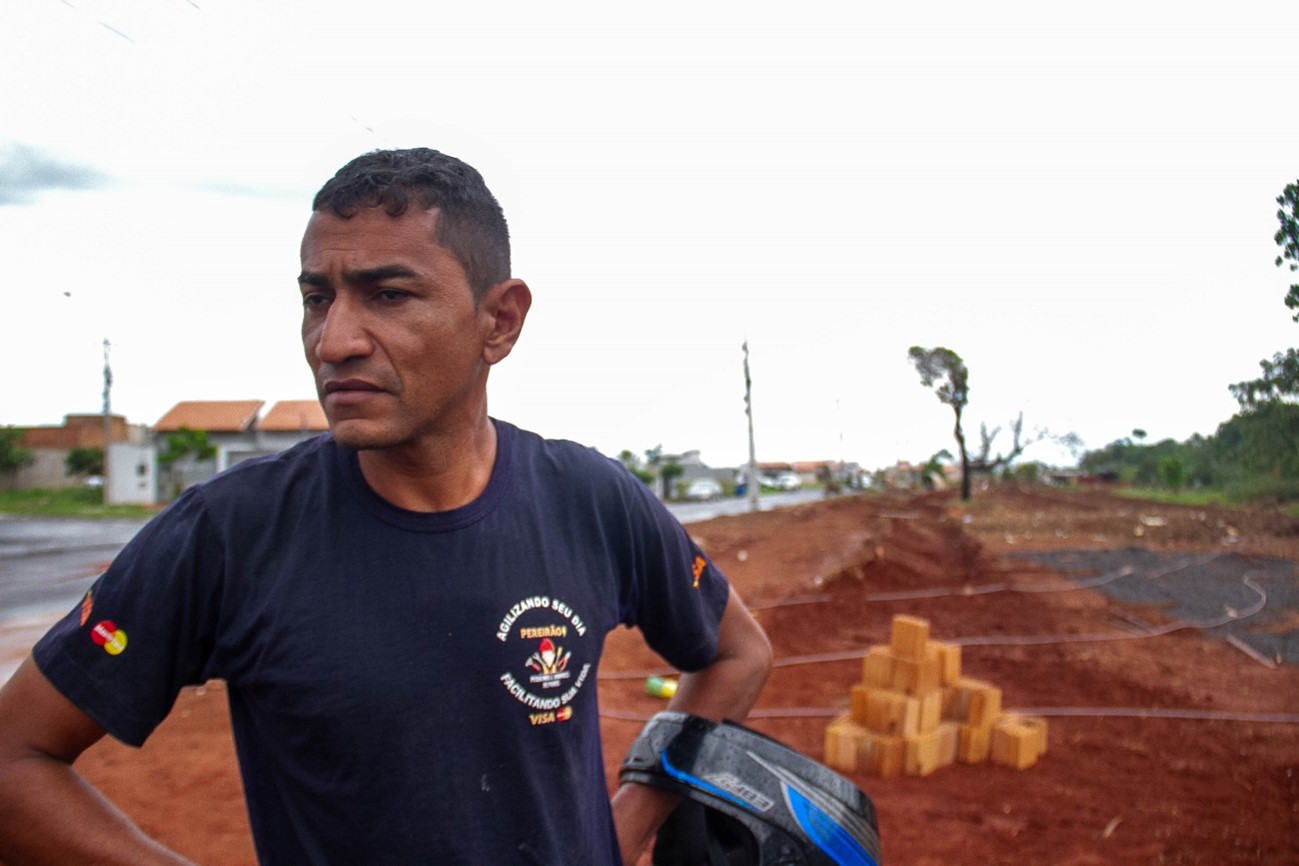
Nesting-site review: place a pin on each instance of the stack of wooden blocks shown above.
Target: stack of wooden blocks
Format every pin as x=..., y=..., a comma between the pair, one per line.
x=914, y=712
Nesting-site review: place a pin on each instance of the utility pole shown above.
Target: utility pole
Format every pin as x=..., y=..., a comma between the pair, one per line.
x=752, y=474
x=108, y=421
x=838, y=420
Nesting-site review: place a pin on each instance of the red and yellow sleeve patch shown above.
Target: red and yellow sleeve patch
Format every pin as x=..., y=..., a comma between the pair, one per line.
x=699, y=566
x=107, y=635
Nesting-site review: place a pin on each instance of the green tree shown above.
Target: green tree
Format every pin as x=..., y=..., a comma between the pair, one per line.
x=944, y=371
x=628, y=459
x=1172, y=471
x=84, y=461
x=668, y=472
x=12, y=454
x=933, y=468
x=1280, y=379
x=1262, y=441
x=185, y=443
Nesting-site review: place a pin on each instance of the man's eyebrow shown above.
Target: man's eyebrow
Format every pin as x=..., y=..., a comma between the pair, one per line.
x=362, y=276
x=379, y=274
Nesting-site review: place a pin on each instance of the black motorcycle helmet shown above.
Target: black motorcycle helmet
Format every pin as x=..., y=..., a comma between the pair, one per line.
x=749, y=800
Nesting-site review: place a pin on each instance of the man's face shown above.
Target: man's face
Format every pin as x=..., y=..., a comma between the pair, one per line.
x=390, y=329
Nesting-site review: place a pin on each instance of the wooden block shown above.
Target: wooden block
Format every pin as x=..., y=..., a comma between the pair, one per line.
x=915, y=675
x=885, y=711
x=974, y=702
x=1036, y=725
x=949, y=663
x=833, y=731
x=949, y=741
x=1014, y=745
x=909, y=636
x=843, y=738
x=953, y=708
x=892, y=713
x=920, y=754
x=931, y=710
x=985, y=706
x=910, y=724
x=886, y=756
x=877, y=667
x=956, y=706
x=857, y=703
x=974, y=744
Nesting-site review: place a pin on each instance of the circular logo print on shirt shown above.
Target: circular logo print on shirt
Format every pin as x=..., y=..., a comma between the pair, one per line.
x=109, y=636
x=545, y=675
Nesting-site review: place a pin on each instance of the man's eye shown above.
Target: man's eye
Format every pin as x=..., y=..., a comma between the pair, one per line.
x=314, y=299
x=390, y=295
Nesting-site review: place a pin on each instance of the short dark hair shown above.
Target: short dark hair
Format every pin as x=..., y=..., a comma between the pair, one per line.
x=471, y=224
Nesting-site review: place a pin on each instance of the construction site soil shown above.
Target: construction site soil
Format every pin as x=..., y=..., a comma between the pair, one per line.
x=1158, y=641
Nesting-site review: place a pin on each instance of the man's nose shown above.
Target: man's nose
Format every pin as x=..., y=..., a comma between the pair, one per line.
x=343, y=335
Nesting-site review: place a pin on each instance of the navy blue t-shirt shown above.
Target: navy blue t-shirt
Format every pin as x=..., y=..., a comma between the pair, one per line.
x=404, y=687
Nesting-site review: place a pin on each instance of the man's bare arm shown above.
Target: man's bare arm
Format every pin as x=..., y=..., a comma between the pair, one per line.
x=48, y=813
x=726, y=689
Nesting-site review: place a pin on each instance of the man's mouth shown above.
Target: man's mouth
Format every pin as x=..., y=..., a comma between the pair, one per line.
x=337, y=386
x=337, y=393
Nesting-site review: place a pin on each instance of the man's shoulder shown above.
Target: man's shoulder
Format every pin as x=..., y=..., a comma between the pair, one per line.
x=564, y=455
x=575, y=472
x=261, y=479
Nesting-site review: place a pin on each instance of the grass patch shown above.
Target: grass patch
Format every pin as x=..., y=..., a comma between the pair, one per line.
x=1176, y=497
x=67, y=502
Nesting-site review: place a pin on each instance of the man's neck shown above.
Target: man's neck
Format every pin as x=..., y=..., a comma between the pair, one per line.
x=436, y=475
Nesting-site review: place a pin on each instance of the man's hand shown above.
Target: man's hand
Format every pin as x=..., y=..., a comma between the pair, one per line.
x=725, y=690
x=48, y=813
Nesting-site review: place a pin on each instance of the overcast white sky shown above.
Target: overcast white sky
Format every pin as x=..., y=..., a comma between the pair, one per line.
x=1079, y=201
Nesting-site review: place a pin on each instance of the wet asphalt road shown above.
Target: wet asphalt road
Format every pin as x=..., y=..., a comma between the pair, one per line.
x=48, y=563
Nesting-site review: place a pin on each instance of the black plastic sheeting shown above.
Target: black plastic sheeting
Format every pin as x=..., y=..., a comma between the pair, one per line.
x=1198, y=588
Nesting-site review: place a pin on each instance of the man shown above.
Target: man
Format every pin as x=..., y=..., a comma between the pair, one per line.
x=408, y=611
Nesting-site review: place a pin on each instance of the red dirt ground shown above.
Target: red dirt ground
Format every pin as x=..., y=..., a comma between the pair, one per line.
x=1109, y=790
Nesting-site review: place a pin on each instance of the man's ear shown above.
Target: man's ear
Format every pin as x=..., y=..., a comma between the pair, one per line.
x=502, y=310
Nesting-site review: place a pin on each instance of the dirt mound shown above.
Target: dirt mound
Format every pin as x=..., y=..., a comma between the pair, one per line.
x=1219, y=784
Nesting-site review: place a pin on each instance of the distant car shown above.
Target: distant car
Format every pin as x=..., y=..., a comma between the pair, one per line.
x=703, y=489
x=787, y=481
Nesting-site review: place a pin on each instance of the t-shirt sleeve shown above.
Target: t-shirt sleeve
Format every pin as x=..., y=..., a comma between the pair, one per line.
x=145, y=628
x=677, y=595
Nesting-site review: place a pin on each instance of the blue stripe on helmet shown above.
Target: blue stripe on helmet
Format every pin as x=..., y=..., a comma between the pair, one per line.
x=831, y=838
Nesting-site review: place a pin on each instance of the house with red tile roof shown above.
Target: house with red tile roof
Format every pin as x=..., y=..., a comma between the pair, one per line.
x=294, y=416
x=227, y=417
x=238, y=431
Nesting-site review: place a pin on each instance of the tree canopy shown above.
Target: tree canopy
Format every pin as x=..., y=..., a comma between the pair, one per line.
x=1280, y=379
x=84, y=461
x=943, y=370
x=12, y=454
x=1253, y=455
x=184, y=442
